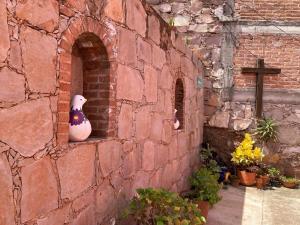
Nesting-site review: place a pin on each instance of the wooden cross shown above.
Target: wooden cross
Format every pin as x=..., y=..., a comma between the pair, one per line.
x=260, y=71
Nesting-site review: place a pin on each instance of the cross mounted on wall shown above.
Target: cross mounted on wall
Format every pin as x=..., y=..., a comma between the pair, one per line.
x=260, y=71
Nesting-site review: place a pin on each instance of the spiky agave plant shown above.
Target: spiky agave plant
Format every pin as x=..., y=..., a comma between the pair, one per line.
x=266, y=130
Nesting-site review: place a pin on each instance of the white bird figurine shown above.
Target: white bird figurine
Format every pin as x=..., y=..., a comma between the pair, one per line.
x=79, y=126
x=176, y=121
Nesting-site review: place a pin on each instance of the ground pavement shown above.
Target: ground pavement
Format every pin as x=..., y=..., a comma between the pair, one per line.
x=250, y=206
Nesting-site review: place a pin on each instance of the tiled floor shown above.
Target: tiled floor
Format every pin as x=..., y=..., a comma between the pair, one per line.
x=250, y=206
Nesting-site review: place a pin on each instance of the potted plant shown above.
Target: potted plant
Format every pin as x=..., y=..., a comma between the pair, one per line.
x=275, y=177
x=266, y=130
x=290, y=182
x=262, y=178
x=161, y=207
x=234, y=180
x=246, y=157
x=205, y=188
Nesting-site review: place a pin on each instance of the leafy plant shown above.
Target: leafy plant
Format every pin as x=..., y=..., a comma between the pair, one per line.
x=266, y=130
x=246, y=155
x=290, y=179
x=275, y=177
x=161, y=207
x=205, y=186
x=206, y=158
x=171, y=22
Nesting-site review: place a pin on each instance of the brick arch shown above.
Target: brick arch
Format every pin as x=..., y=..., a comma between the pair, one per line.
x=107, y=37
x=179, y=99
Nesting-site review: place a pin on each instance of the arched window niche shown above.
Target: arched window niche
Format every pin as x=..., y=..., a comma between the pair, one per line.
x=90, y=77
x=179, y=102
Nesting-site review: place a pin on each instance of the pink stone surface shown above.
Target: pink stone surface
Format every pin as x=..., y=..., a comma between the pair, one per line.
x=78, y=5
x=141, y=180
x=125, y=124
x=39, y=63
x=129, y=164
x=125, y=54
x=39, y=189
x=143, y=123
x=105, y=194
x=109, y=156
x=148, y=156
x=43, y=14
x=150, y=84
x=76, y=171
x=161, y=156
x=130, y=84
x=165, y=80
x=14, y=89
x=157, y=127
x=30, y=127
x=84, y=200
x=136, y=16
x=86, y=217
x=154, y=29
x=158, y=57
x=114, y=10
x=144, y=50
x=167, y=131
x=4, y=40
x=15, y=57
x=6, y=193
x=57, y=217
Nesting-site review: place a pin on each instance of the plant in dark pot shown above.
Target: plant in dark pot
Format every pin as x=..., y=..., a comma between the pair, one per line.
x=246, y=157
x=205, y=189
x=161, y=207
x=234, y=180
x=275, y=177
x=290, y=182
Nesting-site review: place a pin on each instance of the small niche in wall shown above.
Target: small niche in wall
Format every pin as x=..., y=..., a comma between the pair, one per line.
x=91, y=78
x=179, y=102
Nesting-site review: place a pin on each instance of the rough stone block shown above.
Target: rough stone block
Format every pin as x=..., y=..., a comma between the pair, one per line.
x=130, y=84
x=14, y=89
x=76, y=171
x=86, y=217
x=43, y=14
x=165, y=79
x=154, y=29
x=105, y=193
x=15, y=57
x=39, y=66
x=39, y=189
x=125, y=54
x=4, y=41
x=125, y=124
x=161, y=156
x=57, y=217
x=151, y=86
x=158, y=57
x=6, y=193
x=109, y=156
x=114, y=10
x=157, y=127
x=143, y=123
x=144, y=50
x=148, y=156
x=27, y=127
x=136, y=18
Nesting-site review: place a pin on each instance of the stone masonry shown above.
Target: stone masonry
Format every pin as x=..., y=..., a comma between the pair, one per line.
x=46, y=180
x=228, y=35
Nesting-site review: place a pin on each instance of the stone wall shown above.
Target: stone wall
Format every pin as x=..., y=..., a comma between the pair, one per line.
x=44, y=179
x=228, y=35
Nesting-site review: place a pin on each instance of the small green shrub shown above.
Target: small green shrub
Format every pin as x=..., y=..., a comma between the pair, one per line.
x=161, y=207
x=205, y=186
x=290, y=179
x=266, y=130
x=206, y=158
x=275, y=177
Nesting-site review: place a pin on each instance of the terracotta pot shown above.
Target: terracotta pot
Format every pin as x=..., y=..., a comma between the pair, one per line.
x=266, y=180
x=235, y=182
x=260, y=183
x=204, y=207
x=291, y=185
x=247, y=178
